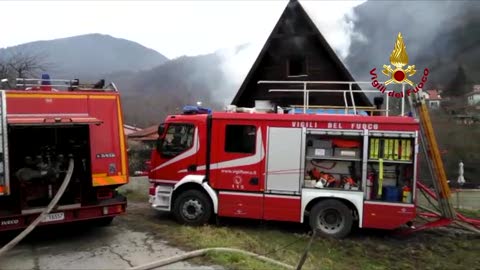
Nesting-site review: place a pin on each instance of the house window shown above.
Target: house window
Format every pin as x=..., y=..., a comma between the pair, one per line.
x=297, y=66
x=240, y=139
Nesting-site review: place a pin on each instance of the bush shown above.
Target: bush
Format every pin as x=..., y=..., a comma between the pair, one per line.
x=138, y=154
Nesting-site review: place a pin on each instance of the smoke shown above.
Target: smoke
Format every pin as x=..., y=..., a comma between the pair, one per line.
x=235, y=65
x=428, y=28
x=335, y=20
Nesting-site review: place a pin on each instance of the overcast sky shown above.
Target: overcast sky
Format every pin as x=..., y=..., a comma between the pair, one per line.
x=173, y=28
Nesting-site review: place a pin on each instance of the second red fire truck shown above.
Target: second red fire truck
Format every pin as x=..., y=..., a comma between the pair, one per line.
x=330, y=170
x=45, y=123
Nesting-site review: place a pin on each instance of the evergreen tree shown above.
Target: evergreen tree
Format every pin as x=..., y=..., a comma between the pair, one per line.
x=459, y=85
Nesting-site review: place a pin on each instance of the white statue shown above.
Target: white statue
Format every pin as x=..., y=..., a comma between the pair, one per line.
x=460, y=180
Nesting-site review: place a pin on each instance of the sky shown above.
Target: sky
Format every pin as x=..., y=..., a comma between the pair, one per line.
x=173, y=28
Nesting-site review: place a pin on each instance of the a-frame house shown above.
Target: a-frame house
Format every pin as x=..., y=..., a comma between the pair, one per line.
x=296, y=51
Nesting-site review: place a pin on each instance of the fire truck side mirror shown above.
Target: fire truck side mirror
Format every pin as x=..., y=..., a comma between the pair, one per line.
x=161, y=129
x=159, y=145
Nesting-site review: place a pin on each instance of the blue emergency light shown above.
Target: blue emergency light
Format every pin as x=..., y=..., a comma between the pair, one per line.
x=45, y=79
x=196, y=110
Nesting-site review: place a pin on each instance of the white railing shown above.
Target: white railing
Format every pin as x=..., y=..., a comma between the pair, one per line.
x=306, y=93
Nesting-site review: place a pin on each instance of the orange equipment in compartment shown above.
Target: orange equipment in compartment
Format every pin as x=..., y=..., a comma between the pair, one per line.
x=343, y=143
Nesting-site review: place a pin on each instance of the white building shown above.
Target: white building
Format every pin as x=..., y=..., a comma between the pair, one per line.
x=473, y=98
x=433, y=98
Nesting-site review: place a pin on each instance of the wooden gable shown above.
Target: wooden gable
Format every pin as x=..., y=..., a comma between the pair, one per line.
x=296, y=51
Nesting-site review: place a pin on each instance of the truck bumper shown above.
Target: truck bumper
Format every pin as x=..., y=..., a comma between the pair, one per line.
x=161, y=200
x=107, y=208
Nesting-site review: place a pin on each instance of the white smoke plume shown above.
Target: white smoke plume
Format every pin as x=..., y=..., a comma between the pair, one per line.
x=335, y=19
x=236, y=63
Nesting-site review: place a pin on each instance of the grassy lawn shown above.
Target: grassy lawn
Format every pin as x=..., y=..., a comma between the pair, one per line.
x=360, y=251
x=364, y=249
x=470, y=213
x=135, y=195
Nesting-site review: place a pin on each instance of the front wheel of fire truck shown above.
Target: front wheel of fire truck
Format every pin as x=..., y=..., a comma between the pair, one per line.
x=331, y=218
x=192, y=207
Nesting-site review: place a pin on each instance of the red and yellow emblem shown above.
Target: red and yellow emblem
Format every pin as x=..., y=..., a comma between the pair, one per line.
x=399, y=58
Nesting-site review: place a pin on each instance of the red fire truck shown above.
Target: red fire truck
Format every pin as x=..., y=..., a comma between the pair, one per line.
x=44, y=123
x=308, y=165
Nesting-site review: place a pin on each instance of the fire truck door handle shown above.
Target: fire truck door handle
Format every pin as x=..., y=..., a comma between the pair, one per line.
x=254, y=181
x=192, y=168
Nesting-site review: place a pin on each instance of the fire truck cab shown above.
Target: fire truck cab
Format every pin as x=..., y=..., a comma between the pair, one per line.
x=332, y=170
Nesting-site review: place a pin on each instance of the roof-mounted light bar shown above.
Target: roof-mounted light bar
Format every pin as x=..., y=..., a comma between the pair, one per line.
x=196, y=110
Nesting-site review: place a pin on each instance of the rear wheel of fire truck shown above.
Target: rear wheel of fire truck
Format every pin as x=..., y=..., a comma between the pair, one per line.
x=331, y=218
x=192, y=207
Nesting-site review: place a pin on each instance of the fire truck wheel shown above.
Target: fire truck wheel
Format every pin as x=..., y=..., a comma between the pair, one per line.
x=331, y=218
x=192, y=207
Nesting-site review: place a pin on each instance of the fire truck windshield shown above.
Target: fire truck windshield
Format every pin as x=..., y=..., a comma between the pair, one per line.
x=178, y=138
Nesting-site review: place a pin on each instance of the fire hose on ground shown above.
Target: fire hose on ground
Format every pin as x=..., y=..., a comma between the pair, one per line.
x=205, y=251
x=47, y=210
x=202, y=252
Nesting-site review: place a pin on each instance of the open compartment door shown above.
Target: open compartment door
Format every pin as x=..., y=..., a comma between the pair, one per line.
x=4, y=173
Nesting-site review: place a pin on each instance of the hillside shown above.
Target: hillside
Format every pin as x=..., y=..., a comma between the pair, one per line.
x=148, y=96
x=212, y=79
x=89, y=57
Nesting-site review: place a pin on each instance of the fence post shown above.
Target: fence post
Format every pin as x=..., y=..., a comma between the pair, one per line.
x=458, y=198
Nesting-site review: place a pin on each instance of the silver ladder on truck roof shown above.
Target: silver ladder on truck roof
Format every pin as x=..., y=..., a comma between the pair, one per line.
x=4, y=173
x=348, y=96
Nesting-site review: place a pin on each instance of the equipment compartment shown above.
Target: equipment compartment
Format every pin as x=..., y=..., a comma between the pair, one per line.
x=390, y=169
x=38, y=165
x=333, y=162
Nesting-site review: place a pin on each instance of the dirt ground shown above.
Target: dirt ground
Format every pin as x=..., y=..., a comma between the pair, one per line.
x=127, y=242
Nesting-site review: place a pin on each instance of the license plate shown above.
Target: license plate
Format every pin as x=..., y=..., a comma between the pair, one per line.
x=54, y=217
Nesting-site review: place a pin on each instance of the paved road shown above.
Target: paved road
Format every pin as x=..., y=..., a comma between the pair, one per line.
x=128, y=241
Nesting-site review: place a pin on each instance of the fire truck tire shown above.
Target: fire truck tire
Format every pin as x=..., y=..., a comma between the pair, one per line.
x=192, y=207
x=331, y=218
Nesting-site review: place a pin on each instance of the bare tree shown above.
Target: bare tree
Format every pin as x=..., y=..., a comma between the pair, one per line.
x=22, y=64
x=4, y=73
